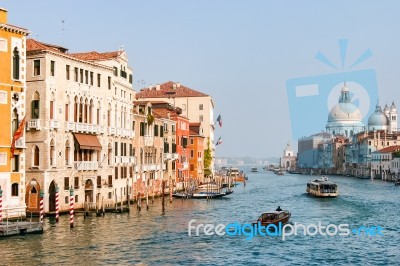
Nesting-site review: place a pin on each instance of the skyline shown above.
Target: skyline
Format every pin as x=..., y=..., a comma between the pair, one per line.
x=242, y=55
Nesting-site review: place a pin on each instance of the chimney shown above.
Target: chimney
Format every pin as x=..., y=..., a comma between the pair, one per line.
x=158, y=87
x=3, y=15
x=150, y=87
x=178, y=84
x=174, y=86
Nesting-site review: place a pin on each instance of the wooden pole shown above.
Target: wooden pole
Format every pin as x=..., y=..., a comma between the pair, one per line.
x=57, y=204
x=71, y=208
x=163, y=196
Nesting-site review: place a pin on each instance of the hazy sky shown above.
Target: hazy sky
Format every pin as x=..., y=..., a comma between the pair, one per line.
x=239, y=52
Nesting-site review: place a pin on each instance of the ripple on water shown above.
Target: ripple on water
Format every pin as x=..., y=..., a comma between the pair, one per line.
x=149, y=238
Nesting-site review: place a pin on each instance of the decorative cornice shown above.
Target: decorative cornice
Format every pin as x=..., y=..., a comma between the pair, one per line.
x=14, y=29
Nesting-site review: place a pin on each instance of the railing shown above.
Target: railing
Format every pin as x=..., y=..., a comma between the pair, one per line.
x=175, y=156
x=117, y=159
x=185, y=165
x=54, y=124
x=148, y=140
x=34, y=123
x=69, y=126
x=132, y=160
x=20, y=143
x=125, y=159
x=111, y=130
x=167, y=156
x=86, y=165
x=153, y=167
x=102, y=129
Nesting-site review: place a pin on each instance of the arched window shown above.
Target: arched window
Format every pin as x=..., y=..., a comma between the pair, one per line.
x=36, y=156
x=52, y=153
x=14, y=121
x=14, y=190
x=67, y=153
x=35, y=106
x=33, y=190
x=16, y=63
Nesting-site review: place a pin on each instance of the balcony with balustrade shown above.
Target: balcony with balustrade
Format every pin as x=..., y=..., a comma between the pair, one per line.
x=167, y=156
x=20, y=143
x=54, y=124
x=86, y=165
x=34, y=124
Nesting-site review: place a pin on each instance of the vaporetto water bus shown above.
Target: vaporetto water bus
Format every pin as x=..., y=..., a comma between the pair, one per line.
x=322, y=187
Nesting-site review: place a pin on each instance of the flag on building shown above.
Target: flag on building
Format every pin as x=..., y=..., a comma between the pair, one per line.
x=219, y=120
x=219, y=141
x=17, y=135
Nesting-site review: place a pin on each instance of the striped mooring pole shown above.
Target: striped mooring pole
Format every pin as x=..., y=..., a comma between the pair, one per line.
x=41, y=206
x=71, y=207
x=57, y=206
x=1, y=206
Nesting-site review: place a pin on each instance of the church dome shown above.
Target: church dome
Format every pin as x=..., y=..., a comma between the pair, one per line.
x=345, y=117
x=344, y=112
x=386, y=109
x=378, y=120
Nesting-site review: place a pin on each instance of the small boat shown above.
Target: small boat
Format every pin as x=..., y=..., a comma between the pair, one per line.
x=202, y=195
x=274, y=217
x=236, y=175
x=209, y=187
x=279, y=172
x=397, y=182
x=322, y=187
x=254, y=169
x=210, y=195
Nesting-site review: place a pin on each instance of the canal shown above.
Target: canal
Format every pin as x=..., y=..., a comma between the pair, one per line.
x=150, y=238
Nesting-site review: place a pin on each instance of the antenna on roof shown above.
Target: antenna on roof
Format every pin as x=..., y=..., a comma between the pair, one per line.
x=62, y=31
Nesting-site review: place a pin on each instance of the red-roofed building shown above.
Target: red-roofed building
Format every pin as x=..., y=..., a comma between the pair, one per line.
x=80, y=126
x=196, y=106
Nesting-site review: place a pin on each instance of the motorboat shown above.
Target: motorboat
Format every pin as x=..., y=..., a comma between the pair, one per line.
x=274, y=217
x=254, y=169
x=322, y=187
x=202, y=195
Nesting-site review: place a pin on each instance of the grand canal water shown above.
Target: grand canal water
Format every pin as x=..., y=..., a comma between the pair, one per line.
x=149, y=238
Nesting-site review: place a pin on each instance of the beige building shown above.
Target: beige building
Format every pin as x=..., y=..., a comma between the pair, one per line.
x=196, y=106
x=80, y=126
x=288, y=160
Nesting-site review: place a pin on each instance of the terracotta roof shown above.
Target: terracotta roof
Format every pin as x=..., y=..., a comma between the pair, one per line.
x=389, y=149
x=33, y=45
x=169, y=89
x=96, y=55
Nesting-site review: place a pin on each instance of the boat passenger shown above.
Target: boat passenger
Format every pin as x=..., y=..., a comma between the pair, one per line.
x=279, y=209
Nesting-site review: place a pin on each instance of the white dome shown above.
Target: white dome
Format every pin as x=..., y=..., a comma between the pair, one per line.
x=344, y=112
x=378, y=120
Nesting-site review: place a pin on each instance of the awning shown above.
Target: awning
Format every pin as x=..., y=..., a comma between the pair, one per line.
x=87, y=142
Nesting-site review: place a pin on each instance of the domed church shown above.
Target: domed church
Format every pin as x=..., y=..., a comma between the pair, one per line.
x=345, y=118
x=383, y=120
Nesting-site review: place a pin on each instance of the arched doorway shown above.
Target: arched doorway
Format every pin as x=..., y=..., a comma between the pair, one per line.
x=52, y=197
x=89, y=190
x=287, y=164
x=32, y=196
